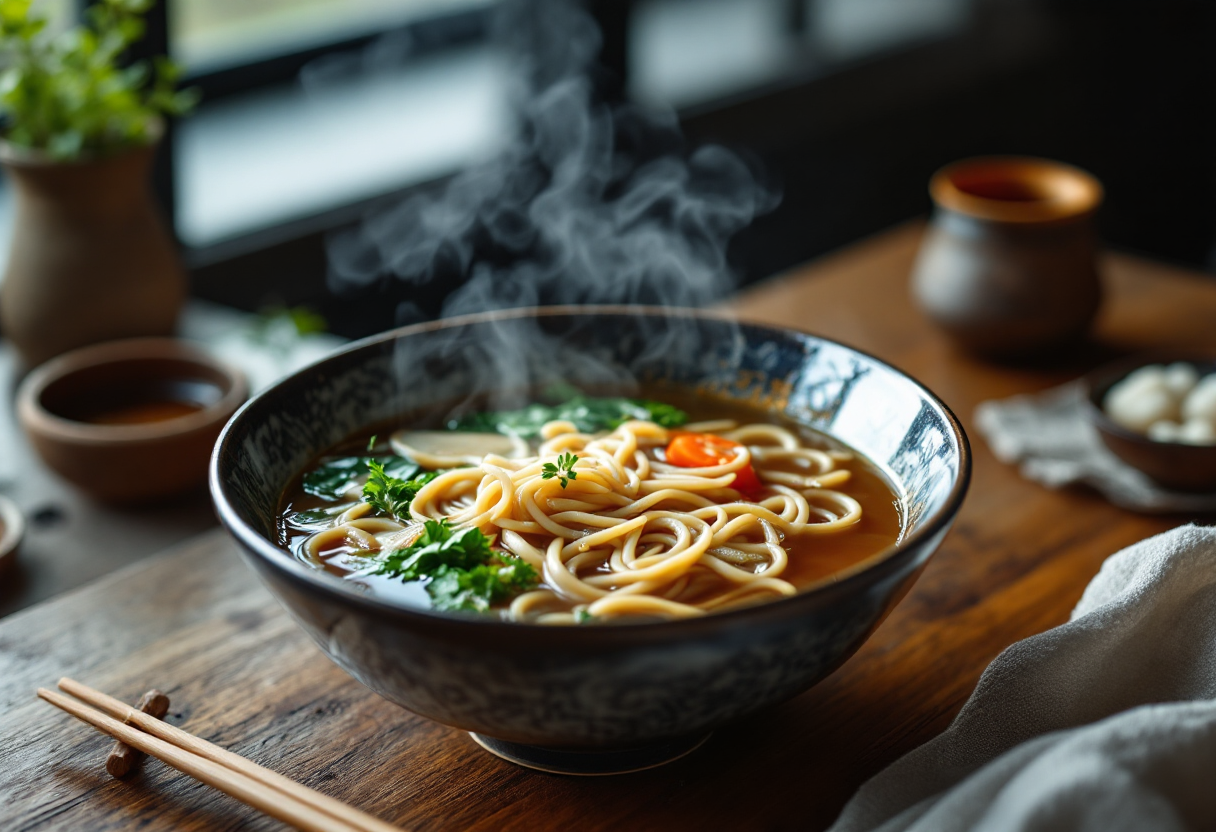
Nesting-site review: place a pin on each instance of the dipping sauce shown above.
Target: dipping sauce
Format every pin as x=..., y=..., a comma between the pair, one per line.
x=139, y=403
x=144, y=412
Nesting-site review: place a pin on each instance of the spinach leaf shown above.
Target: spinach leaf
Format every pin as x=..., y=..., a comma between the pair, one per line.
x=588, y=414
x=479, y=588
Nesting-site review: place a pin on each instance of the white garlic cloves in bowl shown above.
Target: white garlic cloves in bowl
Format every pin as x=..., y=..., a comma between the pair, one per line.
x=1160, y=418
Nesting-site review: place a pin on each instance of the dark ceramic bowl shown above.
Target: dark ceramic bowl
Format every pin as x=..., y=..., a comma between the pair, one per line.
x=1174, y=465
x=597, y=687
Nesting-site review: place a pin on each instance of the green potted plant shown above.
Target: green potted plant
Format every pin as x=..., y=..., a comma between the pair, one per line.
x=91, y=259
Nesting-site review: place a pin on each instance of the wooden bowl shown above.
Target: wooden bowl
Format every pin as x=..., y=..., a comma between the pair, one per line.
x=1174, y=465
x=130, y=421
x=12, y=529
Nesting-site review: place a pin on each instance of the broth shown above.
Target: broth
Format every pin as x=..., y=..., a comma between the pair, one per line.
x=811, y=557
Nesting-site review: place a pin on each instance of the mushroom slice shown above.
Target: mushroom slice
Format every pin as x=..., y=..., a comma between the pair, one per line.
x=450, y=448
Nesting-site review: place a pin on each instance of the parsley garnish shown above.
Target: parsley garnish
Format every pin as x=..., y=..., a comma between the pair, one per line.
x=464, y=573
x=563, y=470
x=371, y=443
x=392, y=495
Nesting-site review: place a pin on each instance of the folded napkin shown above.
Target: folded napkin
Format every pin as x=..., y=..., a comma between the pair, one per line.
x=1105, y=723
x=1057, y=445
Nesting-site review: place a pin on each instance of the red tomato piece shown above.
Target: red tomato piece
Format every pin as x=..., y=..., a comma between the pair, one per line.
x=704, y=450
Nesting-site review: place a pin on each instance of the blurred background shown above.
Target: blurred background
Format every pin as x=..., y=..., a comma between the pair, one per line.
x=316, y=113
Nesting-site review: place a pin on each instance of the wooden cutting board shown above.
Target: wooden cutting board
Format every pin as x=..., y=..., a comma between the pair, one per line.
x=197, y=624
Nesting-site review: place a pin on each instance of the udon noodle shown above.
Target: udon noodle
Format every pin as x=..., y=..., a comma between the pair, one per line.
x=631, y=535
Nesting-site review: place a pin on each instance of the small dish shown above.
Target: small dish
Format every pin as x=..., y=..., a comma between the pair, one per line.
x=12, y=529
x=1175, y=465
x=602, y=699
x=130, y=421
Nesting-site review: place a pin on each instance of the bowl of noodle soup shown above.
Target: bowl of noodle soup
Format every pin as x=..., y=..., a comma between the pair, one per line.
x=590, y=535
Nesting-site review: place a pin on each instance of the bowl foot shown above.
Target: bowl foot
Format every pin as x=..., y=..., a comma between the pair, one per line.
x=591, y=763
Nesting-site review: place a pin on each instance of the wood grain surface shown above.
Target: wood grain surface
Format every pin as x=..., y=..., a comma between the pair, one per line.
x=196, y=624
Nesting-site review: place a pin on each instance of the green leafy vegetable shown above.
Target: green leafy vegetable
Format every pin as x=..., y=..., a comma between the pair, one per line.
x=316, y=517
x=583, y=617
x=437, y=546
x=331, y=479
x=69, y=93
x=371, y=443
x=479, y=588
x=563, y=470
x=464, y=573
x=587, y=413
x=392, y=495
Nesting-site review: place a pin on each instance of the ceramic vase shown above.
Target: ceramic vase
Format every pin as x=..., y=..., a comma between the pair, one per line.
x=91, y=259
x=1008, y=266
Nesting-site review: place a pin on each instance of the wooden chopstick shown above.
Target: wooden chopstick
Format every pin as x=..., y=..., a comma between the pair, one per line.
x=231, y=773
x=226, y=758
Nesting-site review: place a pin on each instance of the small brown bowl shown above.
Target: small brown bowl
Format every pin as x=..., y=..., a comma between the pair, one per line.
x=12, y=529
x=130, y=421
x=1174, y=465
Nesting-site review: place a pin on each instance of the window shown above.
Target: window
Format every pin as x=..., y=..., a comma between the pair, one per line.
x=208, y=34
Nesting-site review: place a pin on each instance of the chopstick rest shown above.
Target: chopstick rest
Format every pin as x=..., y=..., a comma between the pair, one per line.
x=265, y=790
x=123, y=759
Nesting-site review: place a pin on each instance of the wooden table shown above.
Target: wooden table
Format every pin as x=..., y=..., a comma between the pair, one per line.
x=240, y=673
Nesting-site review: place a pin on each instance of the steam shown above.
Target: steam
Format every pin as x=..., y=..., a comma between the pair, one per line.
x=589, y=204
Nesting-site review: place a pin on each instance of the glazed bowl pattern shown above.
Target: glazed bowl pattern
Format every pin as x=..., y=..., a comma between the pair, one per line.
x=598, y=686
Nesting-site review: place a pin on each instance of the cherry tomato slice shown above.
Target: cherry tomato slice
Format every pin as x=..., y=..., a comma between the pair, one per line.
x=704, y=450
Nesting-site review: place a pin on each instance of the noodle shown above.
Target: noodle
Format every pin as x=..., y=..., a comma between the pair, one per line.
x=633, y=534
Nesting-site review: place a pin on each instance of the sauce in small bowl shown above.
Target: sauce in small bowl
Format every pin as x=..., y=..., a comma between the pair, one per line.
x=130, y=421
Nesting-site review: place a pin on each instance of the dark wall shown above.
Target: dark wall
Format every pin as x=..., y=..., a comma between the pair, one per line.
x=1126, y=90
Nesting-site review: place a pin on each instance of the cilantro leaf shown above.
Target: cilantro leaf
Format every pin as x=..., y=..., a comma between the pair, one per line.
x=392, y=495
x=437, y=546
x=332, y=478
x=464, y=573
x=563, y=470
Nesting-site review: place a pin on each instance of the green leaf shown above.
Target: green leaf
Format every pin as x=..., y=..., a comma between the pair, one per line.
x=437, y=546
x=332, y=478
x=479, y=588
x=69, y=93
x=589, y=415
x=392, y=495
x=462, y=572
x=564, y=469
x=316, y=518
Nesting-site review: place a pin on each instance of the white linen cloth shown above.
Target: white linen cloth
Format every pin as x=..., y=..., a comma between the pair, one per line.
x=1105, y=723
x=1056, y=444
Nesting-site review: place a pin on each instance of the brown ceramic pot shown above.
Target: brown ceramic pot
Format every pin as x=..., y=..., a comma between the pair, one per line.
x=91, y=259
x=1008, y=266
x=129, y=461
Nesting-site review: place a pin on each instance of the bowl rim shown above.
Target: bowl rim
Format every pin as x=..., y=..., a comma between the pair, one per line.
x=12, y=529
x=328, y=586
x=1100, y=380
x=1069, y=191
x=34, y=416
